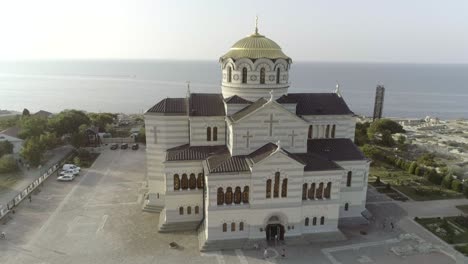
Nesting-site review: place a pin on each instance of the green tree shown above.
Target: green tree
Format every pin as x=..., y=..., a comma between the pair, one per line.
x=26, y=112
x=360, y=134
x=33, y=151
x=412, y=168
x=447, y=181
x=49, y=140
x=79, y=138
x=6, y=147
x=68, y=122
x=142, y=136
x=457, y=185
x=465, y=190
x=32, y=126
x=401, y=140
x=381, y=125
x=8, y=164
x=101, y=120
x=387, y=139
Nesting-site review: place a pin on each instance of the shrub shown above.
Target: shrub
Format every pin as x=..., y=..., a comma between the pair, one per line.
x=457, y=185
x=6, y=147
x=8, y=164
x=465, y=190
x=447, y=182
x=433, y=177
x=417, y=171
x=412, y=168
x=388, y=187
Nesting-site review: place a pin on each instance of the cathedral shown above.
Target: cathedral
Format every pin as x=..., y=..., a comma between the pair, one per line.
x=254, y=162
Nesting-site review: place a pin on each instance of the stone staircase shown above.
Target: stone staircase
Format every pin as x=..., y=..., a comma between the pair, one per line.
x=178, y=226
x=224, y=244
x=152, y=208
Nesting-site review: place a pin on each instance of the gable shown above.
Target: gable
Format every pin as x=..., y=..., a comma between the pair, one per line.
x=276, y=157
x=269, y=107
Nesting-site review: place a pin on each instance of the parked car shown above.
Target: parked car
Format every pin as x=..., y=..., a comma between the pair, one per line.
x=114, y=146
x=135, y=146
x=71, y=167
x=124, y=146
x=74, y=172
x=66, y=177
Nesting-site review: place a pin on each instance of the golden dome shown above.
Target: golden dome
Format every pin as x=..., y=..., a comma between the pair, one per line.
x=255, y=46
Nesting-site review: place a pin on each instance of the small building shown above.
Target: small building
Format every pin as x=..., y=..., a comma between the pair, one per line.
x=11, y=135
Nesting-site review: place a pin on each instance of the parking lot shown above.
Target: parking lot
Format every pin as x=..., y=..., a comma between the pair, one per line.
x=97, y=218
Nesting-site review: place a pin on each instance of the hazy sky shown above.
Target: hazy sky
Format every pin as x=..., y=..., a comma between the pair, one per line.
x=346, y=30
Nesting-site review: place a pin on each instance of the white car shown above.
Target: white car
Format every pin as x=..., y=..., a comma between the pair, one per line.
x=70, y=167
x=74, y=172
x=66, y=177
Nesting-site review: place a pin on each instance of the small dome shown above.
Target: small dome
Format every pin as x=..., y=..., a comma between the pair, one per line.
x=255, y=46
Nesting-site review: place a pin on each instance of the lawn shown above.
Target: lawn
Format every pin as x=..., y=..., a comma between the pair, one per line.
x=462, y=249
x=415, y=187
x=453, y=230
x=8, y=180
x=463, y=208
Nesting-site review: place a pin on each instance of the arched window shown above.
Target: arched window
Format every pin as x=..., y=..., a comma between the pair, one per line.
x=306, y=222
x=220, y=196
x=197, y=209
x=333, y=131
x=328, y=190
x=278, y=73
x=314, y=221
x=276, y=185
x=262, y=76
x=215, y=133
x=200, y=181
x=208, y=134
x=241, y=226
x=237, y=195
x=268, y=188
x=348, y=179
x=224, y=227
x=312, y=191
x=192, y=181
x=184, y=182
x=229, y=74
x=189, y=210
x=304, y=191
x=319, y=194
x=327, y=131
x=181, y=210
x=244, y=75
x=311, y=131
x=284, y=188
x=245, y=195
x=176, y=182
x=322, y=220
x=233, y=227
x=346, y=206
x=228, y=198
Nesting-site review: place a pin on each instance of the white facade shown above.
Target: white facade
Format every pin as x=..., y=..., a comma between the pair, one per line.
x=256, y=162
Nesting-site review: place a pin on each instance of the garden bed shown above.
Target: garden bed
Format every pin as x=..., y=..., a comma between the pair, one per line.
x=453, y=230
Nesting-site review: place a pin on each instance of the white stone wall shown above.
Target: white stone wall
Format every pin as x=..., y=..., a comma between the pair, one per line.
x=253, y=89
x=345, y=125
x=234, y=108
x=354, y=195
x=171, y=131
x=198, y=130
x=174, y=199
x=259, y=130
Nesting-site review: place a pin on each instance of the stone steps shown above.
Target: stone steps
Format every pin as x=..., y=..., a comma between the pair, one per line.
x=152, y=208
x=224, y=244
x=178, y=226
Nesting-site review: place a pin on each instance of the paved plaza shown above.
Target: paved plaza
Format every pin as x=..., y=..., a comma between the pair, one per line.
x=98, y=219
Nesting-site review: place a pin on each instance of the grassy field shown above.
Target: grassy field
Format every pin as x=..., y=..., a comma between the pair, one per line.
x=7, y=181
x=415, y=187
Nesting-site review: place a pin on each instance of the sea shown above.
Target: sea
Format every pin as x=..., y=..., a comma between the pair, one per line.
x=133, y=86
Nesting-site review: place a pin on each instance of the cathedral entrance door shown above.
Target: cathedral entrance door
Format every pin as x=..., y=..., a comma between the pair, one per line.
x=274, y=231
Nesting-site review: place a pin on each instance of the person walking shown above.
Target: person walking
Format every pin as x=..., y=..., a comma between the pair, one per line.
x=283, y=253
x=265, y=254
